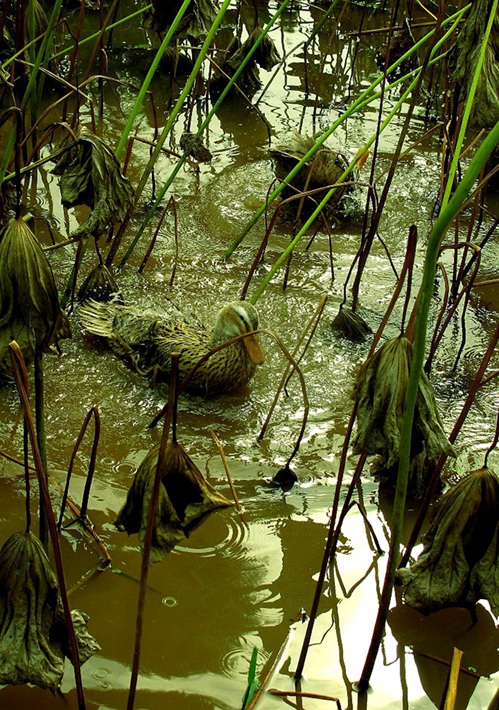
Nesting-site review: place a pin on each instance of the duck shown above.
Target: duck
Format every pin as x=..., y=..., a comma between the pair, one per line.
x=147, y=340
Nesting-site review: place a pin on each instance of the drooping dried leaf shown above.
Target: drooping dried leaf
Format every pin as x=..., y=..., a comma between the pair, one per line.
x=265, y=56
x=90, y=174
x=87, y=645
x=193, y=145
x=195, y=23
x=350, y=324
x=380, y=391
x=32, y=627
x=185, y=498
x=100, y=285
x=29, y=302
x=485, y=574
x=459, y=563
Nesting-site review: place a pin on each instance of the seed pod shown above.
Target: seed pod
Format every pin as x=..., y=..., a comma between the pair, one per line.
x=29, y=302
x=185, y=498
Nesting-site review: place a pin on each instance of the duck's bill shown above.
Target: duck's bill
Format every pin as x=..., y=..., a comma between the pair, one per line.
x=254, y=350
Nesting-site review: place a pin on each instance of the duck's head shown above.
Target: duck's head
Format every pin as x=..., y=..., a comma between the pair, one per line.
x=235, y=319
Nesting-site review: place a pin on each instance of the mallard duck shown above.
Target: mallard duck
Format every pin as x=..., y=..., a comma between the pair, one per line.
x=148, y=340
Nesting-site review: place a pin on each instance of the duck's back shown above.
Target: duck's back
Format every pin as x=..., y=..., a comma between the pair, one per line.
x=147, y=338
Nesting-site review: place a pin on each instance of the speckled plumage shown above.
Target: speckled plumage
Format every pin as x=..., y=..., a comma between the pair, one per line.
x=148, y=340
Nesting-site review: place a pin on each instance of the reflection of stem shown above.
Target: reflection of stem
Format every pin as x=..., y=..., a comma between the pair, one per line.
x=41, y=437
x=313, y=323
x=227, y=470
x=403, y=676
x=146, y=552
x=303, y=694
x=341, y=652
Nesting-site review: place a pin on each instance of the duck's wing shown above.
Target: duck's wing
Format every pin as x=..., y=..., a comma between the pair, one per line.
x=125, y=329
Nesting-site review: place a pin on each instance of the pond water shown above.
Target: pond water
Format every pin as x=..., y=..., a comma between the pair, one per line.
x=242, y=579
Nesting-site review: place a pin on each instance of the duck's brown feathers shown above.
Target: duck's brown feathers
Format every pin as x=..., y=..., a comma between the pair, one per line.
x=148, y=340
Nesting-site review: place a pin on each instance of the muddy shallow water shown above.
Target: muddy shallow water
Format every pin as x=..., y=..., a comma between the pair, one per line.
x=242, y=579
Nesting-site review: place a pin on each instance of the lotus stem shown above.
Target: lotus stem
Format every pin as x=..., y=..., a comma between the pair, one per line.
x=21, y=378
x=227, y=470
x=41, y=436
x=146, y=553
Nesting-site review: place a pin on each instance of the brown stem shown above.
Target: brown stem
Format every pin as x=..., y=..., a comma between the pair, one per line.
x=21, y=378
x=227, y=469
x=146, y=553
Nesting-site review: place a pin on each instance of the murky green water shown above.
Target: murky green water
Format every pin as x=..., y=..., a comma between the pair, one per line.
x=241, y=580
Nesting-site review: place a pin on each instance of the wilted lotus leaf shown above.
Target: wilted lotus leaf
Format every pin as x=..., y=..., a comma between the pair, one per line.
x=33, y=637
x=321, y=171
x=193, y=145
x=265, y=56
x=100, y=285
x=459, y=563
x=185, y=498
x=350, y=324
x=195, y=23
x=29, y=302
x=90, y=174
x=380, y=392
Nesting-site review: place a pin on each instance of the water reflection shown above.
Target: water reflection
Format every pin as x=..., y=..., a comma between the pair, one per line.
x=238, y=582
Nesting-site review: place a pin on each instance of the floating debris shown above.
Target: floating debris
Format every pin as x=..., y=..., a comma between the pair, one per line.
x=29, y=302
x=185, y=499
x=380, y=391
x=91, y=175
x=33, y=635
x=459, y=563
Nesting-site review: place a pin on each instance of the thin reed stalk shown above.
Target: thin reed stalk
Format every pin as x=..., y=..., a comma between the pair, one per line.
x=92, y=412
x=231, y=82
x=144, y=87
